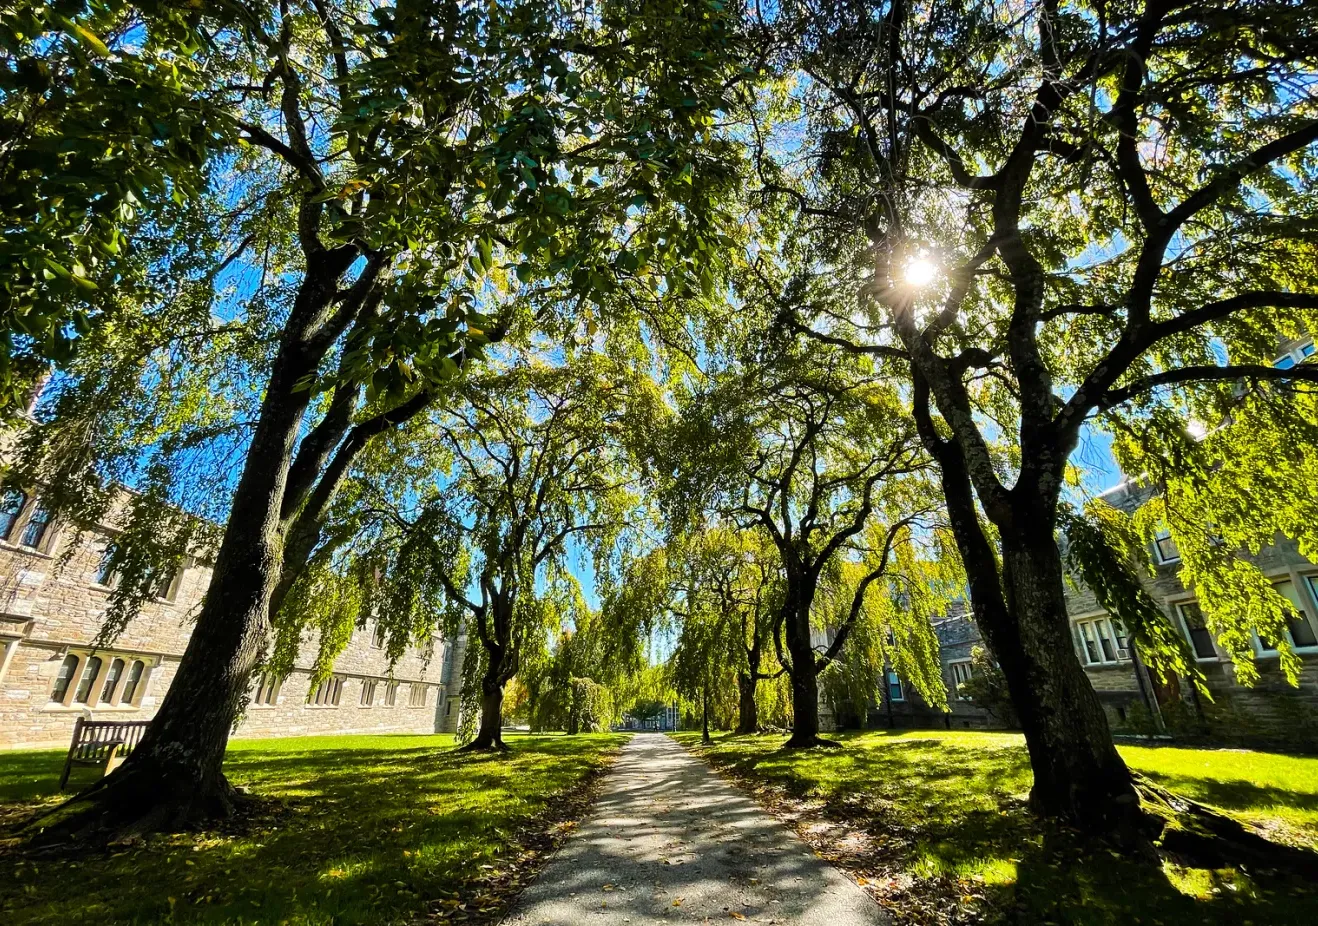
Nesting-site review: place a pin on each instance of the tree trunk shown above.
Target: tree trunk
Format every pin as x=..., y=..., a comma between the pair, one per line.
x=805, y=680
x=174, y=778
x=748, y=712
x=704, y=716
x=1079, y=777
x=490, y=733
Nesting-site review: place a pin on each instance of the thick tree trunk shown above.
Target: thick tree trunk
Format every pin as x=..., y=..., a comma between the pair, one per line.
x=748, y=712
x=1079, y=777
x=489, y=734
x=805, y=680
x=174, y=778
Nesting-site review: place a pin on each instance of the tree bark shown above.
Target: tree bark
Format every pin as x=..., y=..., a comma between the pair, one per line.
x=1079, y=777
x=489, y=734
x=174, y=778
x=748, y=712
x=803, y=675
x=704, y=715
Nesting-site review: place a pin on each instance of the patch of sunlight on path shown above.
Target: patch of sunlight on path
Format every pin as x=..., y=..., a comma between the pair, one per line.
x=668, y=841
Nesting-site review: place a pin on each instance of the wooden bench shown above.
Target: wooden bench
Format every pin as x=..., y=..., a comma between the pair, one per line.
x=103, y=743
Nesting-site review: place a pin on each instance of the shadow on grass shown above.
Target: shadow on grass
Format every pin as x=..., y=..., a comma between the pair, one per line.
x=942, y=808
x=354, y=834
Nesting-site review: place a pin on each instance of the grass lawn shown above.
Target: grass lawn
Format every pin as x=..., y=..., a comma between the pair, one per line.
x=936, y=822
x=357, y=829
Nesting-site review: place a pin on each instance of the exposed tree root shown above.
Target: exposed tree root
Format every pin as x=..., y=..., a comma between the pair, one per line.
x=477, y=745
x=812, y=742
x=1199, y=836
x=128, y=805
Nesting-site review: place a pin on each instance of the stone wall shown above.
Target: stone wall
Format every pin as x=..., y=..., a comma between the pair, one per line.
x=51, y=607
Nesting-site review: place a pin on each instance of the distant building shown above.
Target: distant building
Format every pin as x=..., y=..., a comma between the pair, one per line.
x=52, y=600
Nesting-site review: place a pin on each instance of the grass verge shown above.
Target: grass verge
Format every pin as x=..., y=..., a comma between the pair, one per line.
x=348, y=829
x=934, y=823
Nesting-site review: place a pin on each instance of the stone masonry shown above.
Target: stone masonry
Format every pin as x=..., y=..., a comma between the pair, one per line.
x=51, y=610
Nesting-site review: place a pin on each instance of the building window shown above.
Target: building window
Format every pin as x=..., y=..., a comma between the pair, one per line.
x=377, y=638
x=37, y=525
x=327, y=693
x=1196, y=630
x=64, y=678
x=112, y=681
x=961, y=672
x=129, y=695
x=390, y=694
x=105, y=570
x=418, y=695
x=1101, y=641
x=1166, y=548
x=368, y=692
x=267, y=690
x=1299, y=627
x=166, y=588
x=11, y=506
x=1297, y=354
x=89, y=673
x=895, y=692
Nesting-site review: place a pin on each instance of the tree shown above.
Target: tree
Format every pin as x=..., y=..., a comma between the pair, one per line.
x=540, y=466
x=103, y=112
x=804, y=444
x=421, y=152
x=1086, y=211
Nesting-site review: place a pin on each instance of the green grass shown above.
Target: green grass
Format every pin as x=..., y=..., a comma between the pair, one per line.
x=947, y=809
x=358, y=829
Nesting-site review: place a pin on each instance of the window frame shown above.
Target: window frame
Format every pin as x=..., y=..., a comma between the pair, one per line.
x=42, y=542
x=892, y=678
x=368, y=692
x=1106, y=635
x=390, y=694
x=952, y=666
x=268, y=688
x=327, y=694
x=1180, y=608
x=1305, y=590
x=415, y=689
x=378, y=636
x=1162, y=558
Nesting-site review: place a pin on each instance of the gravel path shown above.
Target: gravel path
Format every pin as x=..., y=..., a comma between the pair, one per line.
x=669, y=841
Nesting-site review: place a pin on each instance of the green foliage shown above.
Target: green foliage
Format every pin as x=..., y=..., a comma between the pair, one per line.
x=104, y=112
x=1106, y=550
x=593, y=709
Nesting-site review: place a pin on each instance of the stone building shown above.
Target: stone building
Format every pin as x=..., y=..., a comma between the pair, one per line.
x=1271, y=712
x=53, y=593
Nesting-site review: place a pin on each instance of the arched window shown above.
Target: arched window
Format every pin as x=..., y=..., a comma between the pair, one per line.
x=35, y=532
x=11, y=506
x=134, y=678
x=65, y=676
x=89, y=673
x=111, y=680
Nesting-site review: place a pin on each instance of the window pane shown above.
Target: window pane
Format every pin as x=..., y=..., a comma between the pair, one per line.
x=1091, y=646
x=1298, y=622
x=1200, y=637
x=1167, y=549
x=894, y=687
x=111, y=680
x=130, y=686
x=1285, y=363
x=63, y=678
x=1104, y=641
x=35, y=531
x=104, y=575
x=11, y=504
x=88, y=679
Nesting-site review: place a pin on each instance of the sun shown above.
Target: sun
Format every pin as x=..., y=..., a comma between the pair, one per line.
x=921, y=272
